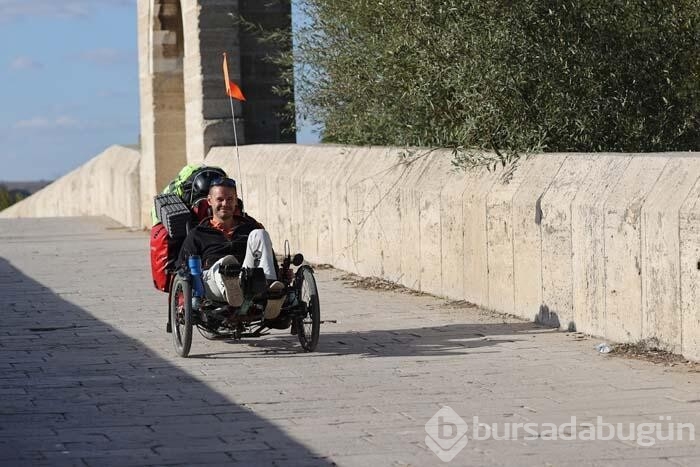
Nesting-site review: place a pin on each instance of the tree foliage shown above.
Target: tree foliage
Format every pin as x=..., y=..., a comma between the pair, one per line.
x=10, y=197
x=502, y=75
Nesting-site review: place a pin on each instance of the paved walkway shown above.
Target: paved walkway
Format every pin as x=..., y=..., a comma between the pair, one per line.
x=89, y=376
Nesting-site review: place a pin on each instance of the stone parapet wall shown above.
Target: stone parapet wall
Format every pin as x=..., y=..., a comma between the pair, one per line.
x=607, y=244
x=107, y=185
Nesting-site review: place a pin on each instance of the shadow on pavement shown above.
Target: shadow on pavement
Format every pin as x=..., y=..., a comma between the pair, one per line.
x=76, y=391
x=437, y=341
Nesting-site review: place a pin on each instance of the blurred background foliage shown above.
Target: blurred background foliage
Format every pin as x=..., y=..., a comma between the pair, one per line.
x=10, y=197
x=502, y=76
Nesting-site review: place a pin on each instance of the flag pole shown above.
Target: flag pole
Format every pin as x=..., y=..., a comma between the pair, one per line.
x=235, y=139
x=233, y=91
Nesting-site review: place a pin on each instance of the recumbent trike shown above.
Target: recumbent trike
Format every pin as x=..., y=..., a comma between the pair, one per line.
x=188, y=308
x=300, y=309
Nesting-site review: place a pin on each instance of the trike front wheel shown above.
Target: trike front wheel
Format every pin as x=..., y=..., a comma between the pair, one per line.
x=181, y=315
x=309, y=324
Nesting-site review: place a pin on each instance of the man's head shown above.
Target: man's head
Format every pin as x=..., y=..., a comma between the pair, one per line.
x=223, y=199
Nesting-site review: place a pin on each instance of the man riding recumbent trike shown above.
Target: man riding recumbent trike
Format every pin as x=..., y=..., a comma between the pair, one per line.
x=225, y=280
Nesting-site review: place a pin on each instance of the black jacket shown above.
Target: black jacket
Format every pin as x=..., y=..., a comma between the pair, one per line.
x=211, y=244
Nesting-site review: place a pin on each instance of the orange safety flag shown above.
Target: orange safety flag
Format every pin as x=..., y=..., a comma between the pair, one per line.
x=232, y=90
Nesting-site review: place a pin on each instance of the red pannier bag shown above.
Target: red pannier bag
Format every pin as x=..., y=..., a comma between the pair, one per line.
x=164, y=251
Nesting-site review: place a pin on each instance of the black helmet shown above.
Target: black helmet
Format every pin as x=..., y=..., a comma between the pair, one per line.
x=202, y=181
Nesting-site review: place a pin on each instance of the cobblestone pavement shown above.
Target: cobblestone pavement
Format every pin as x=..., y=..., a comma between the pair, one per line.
x=89, y=376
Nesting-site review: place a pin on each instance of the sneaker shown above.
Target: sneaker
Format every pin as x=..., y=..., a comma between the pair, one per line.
x=234, y=294
x=275, y=298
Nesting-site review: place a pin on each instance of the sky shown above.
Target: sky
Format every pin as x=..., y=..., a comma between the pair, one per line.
x=68, y=84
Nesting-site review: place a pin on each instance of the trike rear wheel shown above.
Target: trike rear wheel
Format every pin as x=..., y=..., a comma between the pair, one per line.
x=181, y=315
x=309, y=325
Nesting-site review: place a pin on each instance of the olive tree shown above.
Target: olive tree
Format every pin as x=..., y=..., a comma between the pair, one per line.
x=503, y=76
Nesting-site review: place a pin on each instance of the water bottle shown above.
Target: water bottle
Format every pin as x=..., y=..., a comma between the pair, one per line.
x=195, y=264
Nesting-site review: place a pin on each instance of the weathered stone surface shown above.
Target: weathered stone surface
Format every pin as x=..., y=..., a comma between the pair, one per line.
x=420, y=228
x=588, y=244
x=106, y=185
x=429, y=185
x=474, y=212
x=500, y=244
x=453, y=223
x=689, y=236
x=527, y=235
x=367, y=186
x=623, y=248
x=339, y=205
x=661, y=257
x=557, y=300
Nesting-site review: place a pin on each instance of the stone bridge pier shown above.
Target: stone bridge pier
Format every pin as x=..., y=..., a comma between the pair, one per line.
x=184, y=108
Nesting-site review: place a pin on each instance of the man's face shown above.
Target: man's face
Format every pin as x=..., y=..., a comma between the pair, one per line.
x=223, y=201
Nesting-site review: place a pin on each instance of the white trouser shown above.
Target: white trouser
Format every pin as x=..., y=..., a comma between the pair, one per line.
x=258, y=255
